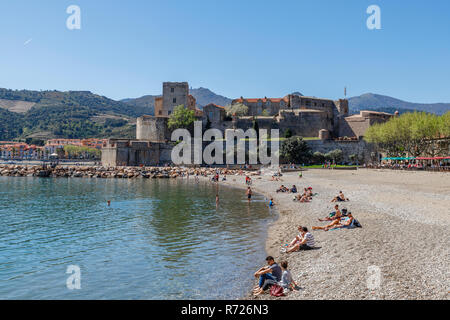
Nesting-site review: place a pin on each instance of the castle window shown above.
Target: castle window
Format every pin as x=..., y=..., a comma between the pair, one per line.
x=174, y=100
x=160, y=112
x=172, y=89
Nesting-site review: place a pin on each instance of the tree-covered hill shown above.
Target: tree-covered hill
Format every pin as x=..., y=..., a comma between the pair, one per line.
x=71, y=114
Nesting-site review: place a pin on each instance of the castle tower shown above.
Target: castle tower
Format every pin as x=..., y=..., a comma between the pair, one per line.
x=174, y=94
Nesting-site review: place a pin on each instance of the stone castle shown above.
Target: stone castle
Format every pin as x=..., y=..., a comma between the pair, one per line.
x=311, y=117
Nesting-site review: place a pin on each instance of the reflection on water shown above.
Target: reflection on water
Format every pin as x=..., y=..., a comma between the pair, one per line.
x=159, y=239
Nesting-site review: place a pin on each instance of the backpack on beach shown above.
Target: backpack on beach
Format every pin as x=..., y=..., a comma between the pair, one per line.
x=276, y=290
x=356, y=223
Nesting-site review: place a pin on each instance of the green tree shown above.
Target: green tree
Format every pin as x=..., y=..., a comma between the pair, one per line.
x=181, y=118
x=413, y=133
x=334, y=155
x=295, y=150
x=318, y=157
x=288, y=133
x=237, y=109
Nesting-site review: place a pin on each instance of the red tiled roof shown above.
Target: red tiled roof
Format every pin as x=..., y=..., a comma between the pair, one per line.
x=215, y=105
x=253, y=100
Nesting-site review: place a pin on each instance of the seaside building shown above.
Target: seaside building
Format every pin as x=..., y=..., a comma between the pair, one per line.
x=20, y=151
x=325, y=122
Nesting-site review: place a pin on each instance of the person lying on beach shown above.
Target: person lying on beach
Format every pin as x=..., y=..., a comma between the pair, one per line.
x=328, y=226
x=272, y=271
x=336, y=214
x=305, y=241
x=347, y=222
x=286, y=282
x=302, y=198
x=282, y=189
x=340, y=198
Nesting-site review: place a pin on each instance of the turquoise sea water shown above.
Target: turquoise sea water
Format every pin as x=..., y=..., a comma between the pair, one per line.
x=159, y=239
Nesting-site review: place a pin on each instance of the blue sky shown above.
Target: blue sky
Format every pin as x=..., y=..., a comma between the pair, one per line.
x=247, y=47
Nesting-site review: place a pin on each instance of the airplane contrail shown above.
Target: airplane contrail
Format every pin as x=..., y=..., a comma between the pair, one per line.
x=27, y=42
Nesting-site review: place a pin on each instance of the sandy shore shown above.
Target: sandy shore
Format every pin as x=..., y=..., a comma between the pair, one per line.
x=406, y=234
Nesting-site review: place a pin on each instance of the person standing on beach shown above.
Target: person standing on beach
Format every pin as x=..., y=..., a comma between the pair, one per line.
x=249, y=194
x=217, y=199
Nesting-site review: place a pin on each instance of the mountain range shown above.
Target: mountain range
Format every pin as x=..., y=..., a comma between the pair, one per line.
x=34, y=115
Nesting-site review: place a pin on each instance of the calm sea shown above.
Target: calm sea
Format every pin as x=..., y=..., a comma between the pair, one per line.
x=159, y=239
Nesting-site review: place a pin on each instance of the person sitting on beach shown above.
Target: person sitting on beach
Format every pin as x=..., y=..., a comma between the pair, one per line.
x=305, y=241
x=293, y=189
x=248, y=180
x=297, y=238
x=336, y=214
x=340, y=198
x=272, y=271
x=286, y=282
x=282, y=189
x=271, y=203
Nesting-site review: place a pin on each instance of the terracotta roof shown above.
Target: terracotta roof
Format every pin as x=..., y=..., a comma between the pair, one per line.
x=215, y=105
x=252, y=100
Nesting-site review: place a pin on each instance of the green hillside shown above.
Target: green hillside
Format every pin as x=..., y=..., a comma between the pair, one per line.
x=72, y=114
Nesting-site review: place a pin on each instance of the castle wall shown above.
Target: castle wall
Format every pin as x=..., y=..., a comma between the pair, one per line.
x=159, y=106
x=305, y=123
x=359, y=147
x=134, y=153
x=151, y=128
x=356, y=125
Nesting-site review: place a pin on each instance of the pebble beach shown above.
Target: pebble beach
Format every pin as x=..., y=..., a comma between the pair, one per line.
x=401, y=251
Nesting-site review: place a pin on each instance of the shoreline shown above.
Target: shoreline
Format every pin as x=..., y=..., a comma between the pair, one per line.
x=410, y=212
x=405, y=233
